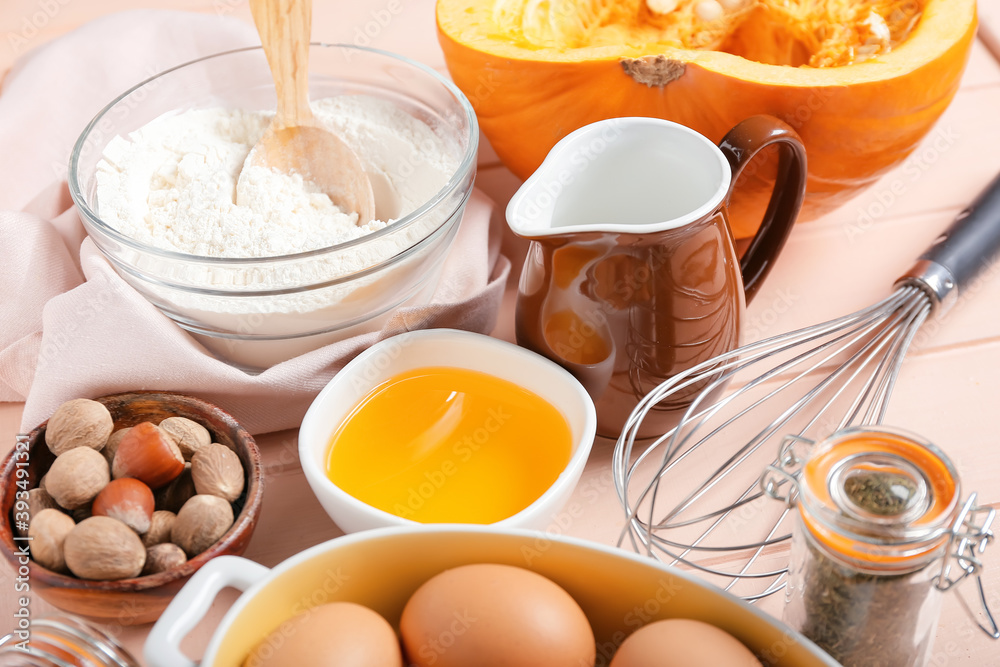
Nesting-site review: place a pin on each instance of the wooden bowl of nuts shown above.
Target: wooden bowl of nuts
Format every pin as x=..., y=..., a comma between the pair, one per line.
x=113, y=503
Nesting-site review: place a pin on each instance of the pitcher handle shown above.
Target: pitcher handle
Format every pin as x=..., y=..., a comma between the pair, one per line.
x=740, y=145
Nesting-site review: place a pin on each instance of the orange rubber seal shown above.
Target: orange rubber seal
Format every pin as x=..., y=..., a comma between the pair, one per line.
x=942, y=487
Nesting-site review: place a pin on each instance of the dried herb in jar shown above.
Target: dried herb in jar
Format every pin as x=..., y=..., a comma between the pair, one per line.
x=880, y=493
x=863, y=619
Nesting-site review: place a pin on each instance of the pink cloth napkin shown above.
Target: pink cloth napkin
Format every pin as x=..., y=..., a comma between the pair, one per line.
x=71, y=327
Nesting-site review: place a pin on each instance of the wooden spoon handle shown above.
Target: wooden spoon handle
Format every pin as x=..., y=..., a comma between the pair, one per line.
x=284, y=27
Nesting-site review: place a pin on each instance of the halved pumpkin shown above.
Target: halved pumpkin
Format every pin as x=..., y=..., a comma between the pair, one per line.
x=861, y=80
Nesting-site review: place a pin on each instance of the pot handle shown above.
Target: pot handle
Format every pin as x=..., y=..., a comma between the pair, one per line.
x=740, y=145
x=189, y=606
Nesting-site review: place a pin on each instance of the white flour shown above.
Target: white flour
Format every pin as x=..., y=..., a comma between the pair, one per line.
x=172, y=185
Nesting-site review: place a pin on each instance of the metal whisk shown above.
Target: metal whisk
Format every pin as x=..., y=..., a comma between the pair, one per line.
x=811, y=382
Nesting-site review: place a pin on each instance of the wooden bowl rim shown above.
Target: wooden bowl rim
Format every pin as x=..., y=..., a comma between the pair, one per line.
x=243, y=524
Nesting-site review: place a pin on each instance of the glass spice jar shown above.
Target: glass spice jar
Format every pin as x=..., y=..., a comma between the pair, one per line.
x=62, y=640
x=880, y=518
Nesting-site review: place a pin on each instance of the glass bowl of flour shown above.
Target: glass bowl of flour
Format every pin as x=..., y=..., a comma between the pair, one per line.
x=271, y=269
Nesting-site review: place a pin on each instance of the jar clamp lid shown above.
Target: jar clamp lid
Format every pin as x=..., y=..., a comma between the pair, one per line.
x=886, y=502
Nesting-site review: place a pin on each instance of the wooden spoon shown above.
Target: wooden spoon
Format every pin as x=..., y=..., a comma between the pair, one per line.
x=295, y=141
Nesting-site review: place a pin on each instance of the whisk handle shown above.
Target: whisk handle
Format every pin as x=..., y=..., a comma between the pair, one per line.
x=962, y=251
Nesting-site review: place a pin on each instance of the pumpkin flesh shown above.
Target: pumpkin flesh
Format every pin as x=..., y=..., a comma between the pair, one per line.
x=820, y=33
x=856, y=120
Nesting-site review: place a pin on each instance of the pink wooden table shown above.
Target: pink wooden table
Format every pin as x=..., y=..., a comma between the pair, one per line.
x=948, y=389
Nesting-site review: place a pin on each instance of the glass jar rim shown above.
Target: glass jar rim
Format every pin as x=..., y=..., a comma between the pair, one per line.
x=907, y=541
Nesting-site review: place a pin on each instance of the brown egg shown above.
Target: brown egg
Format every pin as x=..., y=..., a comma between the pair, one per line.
x=491, y=615
x=682, y=642
x=339, y=634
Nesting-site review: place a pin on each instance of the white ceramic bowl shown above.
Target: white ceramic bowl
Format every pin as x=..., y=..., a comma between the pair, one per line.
x=447, y=348
x=617, y=590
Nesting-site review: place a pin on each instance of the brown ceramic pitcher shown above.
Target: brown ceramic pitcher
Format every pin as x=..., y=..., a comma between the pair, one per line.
x=632, y=274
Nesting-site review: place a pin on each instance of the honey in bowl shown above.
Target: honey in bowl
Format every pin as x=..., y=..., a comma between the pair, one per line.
x=449, y=445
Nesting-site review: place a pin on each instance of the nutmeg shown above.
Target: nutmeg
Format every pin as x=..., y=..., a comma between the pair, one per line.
x=48, y=531
x=163, y=557
x=78, y=423
x=160, y=525
x=128, y=500
x=104, y=549
x=200, y=523
x=38, y=500
x=76, y=477
x=149, y=455
x=189, y=435
x=112, y=445
x=217, y=471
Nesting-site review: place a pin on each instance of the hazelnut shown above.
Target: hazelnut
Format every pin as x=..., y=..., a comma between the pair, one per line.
x=159, y=528
x=78, y=423
x=173, y=496
x=48, y=531
x=38, y=500
x=76, y=477
x=104, y=549
x=128, y=500
x=217, y=470
x=112, y=446
x=149, y=455
x=200, y=523
x=163, y=557
x=189, y=435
